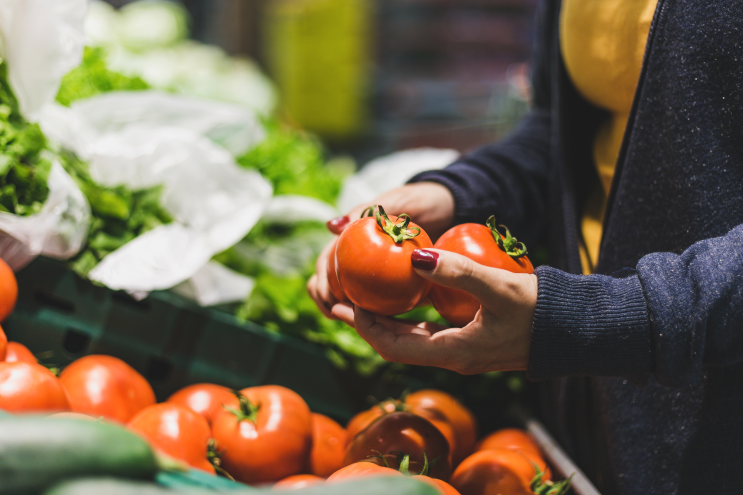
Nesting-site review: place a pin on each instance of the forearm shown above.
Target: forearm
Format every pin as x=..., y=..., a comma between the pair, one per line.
x=677, y=315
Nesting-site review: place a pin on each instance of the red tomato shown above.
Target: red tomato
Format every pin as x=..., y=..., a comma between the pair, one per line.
x=204, y=398
x=494, y=472
x=361, y=470
x=8, y=290
x=19, y=352
x=3, y=345
x=271, y=437
x=335, y=286
x=478, y=243
x=358, y=423
x=509, y=439
x=298, y=481
x=30, y=388
x=176, y=431
x=106, y=386
x=442, y=486
x=402, y=432
x=372, y=260
x=328, y=446
x=438, y=405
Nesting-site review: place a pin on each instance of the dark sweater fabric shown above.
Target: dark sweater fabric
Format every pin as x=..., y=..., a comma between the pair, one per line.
x=643, y=362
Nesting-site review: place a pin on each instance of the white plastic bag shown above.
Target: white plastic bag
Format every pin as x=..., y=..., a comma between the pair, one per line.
x=236, y=129
x=391, y=171
x=57, y=231
x=216, y=284
x=145, y=139
x=42, y=40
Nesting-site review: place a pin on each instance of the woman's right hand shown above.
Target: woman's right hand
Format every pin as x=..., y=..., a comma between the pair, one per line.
x=429, y=205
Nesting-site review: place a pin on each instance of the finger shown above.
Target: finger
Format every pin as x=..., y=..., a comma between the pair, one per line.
x=321, y=270
x=323, y=305
x=487, y=285
x=401, y=342
x=337, y=225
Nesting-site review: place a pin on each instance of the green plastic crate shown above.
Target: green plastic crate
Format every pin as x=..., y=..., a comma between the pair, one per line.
x=171, y=341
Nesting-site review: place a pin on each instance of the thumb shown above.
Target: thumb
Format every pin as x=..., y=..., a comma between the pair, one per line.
x=459, y=272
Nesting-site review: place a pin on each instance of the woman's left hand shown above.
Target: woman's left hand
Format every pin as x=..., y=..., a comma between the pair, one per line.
x=498, y=339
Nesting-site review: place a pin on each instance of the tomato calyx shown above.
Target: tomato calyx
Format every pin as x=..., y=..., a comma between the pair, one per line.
x=214, y=456
x=247, y=412
x=403, y=461
x=509, y=244
x=546, y=487
x=397, y=230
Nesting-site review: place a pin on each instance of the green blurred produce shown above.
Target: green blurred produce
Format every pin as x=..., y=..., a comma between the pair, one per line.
x=93, y=77
x=118, y=214
x=38, y=452
x=24, y=169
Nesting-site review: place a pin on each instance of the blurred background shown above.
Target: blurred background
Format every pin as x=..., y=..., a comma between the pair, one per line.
x=374, y=76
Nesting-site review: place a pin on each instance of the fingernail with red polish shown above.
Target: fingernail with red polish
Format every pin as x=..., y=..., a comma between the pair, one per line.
x=424, y=260
x=336, y=225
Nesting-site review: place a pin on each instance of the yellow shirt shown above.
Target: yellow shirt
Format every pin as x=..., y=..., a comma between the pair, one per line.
x=603, y=43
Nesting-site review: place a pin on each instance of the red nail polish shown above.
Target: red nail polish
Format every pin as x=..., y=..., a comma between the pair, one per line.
x=337, y=225
x=424, y=260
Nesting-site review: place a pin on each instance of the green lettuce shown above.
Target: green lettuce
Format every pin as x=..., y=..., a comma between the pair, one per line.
x=92, y=77
x=24, y=168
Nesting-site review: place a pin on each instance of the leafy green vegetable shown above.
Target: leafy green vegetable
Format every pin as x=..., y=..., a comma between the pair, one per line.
x=295, y=164
x=24, y=170
x=93, y=77
x=282, y=258
x=118, y=214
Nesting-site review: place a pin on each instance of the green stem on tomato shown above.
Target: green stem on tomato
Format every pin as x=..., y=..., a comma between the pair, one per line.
x=509, y=244
x=545, y=487
x=214, y=456
x=247, y=411
x=399, y=230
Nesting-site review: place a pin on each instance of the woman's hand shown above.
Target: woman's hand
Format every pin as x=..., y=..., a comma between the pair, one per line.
x=498, y=339
x=430, y=205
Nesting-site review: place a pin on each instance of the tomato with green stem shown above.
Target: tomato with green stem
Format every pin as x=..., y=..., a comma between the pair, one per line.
x=265, y=433
x=492, y=472
x=372, y=261
x=455, y=421
x=177, y=432
x=204, y=398
x=483, y=244
x=403, y=432
x=106, y=386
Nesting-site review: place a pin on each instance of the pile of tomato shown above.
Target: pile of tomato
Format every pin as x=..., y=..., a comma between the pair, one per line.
x=267, y=434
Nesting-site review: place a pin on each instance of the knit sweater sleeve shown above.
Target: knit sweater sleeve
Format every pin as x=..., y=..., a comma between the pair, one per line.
x=677, y=315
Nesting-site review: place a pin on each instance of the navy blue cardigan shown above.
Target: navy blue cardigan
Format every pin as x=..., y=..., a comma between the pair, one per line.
x=644, y=359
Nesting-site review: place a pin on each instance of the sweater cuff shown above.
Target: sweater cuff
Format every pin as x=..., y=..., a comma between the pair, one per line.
x=589, y=325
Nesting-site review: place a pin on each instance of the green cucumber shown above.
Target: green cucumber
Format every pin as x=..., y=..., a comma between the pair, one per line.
x=367, y=486
x=38, y=452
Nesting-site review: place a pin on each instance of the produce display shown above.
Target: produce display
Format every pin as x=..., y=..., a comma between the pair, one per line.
x=97, y=425
x=261, y=435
